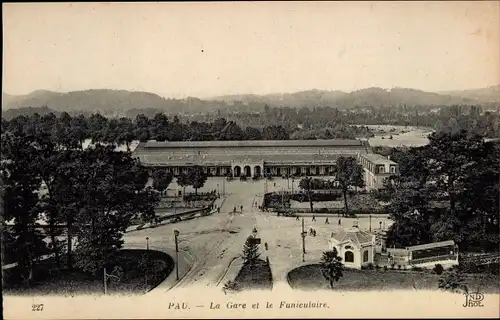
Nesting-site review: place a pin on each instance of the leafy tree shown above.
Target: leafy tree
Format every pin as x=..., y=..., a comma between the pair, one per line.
x=250, y=252
x=112, y=193
x=253, y=133
x=197, y=178
x=348, y=173
x=160, y=127
x=125, y=132
x=161, y=179
x=20, y=185
x=306, y=184
x=331, y=266
x=142, y=128
x=453, y=193
x=184, y=180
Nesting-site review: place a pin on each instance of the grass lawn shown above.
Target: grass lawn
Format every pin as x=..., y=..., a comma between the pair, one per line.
x=258, y=277
x=51, y=281
x=309, y=277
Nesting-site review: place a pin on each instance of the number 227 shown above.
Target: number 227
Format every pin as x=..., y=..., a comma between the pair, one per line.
x=37, y=307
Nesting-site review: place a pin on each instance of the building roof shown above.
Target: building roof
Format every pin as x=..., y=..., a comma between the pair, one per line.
x=177, y=159
x=432, y=245
x=253, y=143
x=376, y=158
x=354, y=234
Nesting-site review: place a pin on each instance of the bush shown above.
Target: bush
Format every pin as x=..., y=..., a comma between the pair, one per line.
x=393, y=266
x=377, y=267
x=418, y=269
x=231, y=287
x=438, y=269
x=399, y=267
x=385, y=268
x=370, y=266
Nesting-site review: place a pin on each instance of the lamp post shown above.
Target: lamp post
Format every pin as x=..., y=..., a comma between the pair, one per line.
x=303, y=235
x=293, y=180
x=147, y=261
x=176, y=235
x=370, y=223
x=218, y=192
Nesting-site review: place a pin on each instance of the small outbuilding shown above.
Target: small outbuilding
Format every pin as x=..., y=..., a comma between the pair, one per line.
x=356, y=247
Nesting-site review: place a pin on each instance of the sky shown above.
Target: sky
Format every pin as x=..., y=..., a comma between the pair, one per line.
x=208, y=49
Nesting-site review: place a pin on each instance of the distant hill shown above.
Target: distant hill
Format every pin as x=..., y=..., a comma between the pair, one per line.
x=490, y=94
x=129, y=103
x=107, y=102
x=364, y=97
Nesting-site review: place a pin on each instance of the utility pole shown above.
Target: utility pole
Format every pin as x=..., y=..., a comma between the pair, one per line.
x=176, y=235
x=303, y=234
x=105, y=282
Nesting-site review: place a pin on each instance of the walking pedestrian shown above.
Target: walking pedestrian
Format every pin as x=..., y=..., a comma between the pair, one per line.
x=326, y=221
x=241, y=207
x=265, y=245
x=297, y=218
x=340, y=222
x=314, y=218
x=234, y=209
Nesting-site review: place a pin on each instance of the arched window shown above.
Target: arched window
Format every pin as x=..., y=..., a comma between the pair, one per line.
x=365, y=256
x=349, y=256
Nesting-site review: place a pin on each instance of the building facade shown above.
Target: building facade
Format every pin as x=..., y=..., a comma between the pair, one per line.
x=256, y=158
x=356, y=247
x=376, y=168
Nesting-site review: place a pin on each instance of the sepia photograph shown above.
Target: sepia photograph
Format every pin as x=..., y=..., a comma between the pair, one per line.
x=302, y=159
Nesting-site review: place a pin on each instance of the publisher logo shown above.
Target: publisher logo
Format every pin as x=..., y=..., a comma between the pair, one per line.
x=473, y=300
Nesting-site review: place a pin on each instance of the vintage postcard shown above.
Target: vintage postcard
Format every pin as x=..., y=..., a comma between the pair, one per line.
x=250, y=160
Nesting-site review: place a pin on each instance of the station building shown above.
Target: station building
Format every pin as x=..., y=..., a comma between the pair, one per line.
x=261, y=157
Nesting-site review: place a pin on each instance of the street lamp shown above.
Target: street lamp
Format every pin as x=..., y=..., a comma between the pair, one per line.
x=303, y=235
x=218, y=192
x=147, y=261
x=176, y=235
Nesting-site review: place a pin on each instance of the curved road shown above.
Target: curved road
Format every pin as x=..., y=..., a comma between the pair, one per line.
x=207, y=244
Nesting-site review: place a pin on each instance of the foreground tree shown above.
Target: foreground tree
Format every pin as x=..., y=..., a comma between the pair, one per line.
x=348, y=174
x=250, y=252
x=112, y=192
x=452, y=194
x=20, y=190
x=331, y=266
